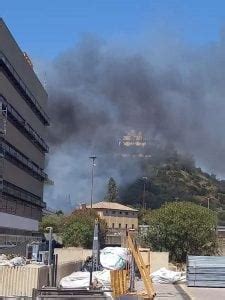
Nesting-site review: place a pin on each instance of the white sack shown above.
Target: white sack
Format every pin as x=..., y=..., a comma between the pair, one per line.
x=16, y=261
x=114, y=258
x=103, y=277
x=76, y=280
x=82, y=279
x=166, y=276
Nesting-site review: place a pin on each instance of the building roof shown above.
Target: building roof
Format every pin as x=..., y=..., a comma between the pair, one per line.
x=111, y=205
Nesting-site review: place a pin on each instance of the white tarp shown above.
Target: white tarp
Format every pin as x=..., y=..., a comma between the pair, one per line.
x=82, y=279
x=16, y=261
x=166, y=276
x=114, y=258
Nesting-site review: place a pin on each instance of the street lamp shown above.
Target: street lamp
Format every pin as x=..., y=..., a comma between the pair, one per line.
x=93, y=158
x=50, y=229
x=144, y=187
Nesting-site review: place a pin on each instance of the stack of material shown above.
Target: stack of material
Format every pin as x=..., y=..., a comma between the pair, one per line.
x=206, y=271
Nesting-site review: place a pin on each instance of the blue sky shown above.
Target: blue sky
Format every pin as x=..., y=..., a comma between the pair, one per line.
x=44, y=28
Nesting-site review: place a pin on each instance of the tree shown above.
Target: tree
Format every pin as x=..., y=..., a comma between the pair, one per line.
x=55, y=221
x=112, y=192
x=78, y=229
x=182, y=228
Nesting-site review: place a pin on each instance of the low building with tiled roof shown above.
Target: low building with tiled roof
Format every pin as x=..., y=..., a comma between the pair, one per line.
x=118, y=217
x=111, y=205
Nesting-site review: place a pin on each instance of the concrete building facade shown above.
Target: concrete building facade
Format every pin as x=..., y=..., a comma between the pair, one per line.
x=117, y=216
x=23, y=121
x=119, y=219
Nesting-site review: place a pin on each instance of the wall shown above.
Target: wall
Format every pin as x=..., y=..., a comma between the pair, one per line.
x=119, y=217
x=67, y=268
x=72, y=254
x=20, y=281
x=12, y=221
x=155, y=260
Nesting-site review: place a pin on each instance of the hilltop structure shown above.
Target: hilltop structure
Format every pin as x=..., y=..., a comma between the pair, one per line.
x=134, y=144
x=23, y=122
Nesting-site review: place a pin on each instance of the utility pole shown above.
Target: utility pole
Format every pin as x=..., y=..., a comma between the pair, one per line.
x=50, y=229
x=93, y=158
x=144, y=187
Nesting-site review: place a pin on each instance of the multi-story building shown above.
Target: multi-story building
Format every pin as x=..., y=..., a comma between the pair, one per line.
x=23, y=122
x=119, y=218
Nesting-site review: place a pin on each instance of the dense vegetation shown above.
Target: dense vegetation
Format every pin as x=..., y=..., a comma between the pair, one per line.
x=175, y=179
x=76, y=229
x=182, y=229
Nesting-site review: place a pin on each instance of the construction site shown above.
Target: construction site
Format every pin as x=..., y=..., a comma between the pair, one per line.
x=159, y=233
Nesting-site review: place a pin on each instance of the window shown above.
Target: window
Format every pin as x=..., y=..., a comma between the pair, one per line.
x=120, y=212
x=113, y=212
x=113, y=225
x=126, y=213
x=132, y=226
x=119, y=225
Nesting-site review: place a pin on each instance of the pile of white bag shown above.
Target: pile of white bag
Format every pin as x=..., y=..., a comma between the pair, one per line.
x=166, y=276
x=111, y=258
x=114, y=258
x=16, y=261
x=82, y=279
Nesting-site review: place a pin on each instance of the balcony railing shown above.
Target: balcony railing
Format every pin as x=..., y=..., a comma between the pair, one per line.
x=34, y=104
x=23, y=125
x=19, y=193
x=11, y=152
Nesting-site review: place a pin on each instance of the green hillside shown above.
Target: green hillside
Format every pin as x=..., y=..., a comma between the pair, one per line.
x=176, y=179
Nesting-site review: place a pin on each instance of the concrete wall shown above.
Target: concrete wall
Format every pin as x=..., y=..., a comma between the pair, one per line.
x=13, y=221
x=20, y=281
x=67, y=268
x=72, y=254
x=155, y=260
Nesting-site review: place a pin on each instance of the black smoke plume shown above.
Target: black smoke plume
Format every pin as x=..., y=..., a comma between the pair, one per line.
x=170, y=91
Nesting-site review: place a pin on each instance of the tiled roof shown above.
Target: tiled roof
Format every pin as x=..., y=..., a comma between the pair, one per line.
x=111, y=205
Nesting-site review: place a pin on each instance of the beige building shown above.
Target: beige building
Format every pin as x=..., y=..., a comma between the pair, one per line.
x=117, y=216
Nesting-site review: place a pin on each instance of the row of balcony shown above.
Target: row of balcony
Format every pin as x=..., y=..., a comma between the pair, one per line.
x=13, y=115
x=21, y=194
x=34, y=104
x=11, y=152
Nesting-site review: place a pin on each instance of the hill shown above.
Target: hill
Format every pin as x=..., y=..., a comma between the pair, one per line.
x=175, y=179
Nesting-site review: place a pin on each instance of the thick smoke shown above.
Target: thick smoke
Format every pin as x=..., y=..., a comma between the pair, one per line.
x=98, y=91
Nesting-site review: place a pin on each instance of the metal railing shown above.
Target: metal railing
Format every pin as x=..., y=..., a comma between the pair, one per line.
x=13, y=240
x=22, y=124
x=15, y=191
x=34, y=104
x=11, y=152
